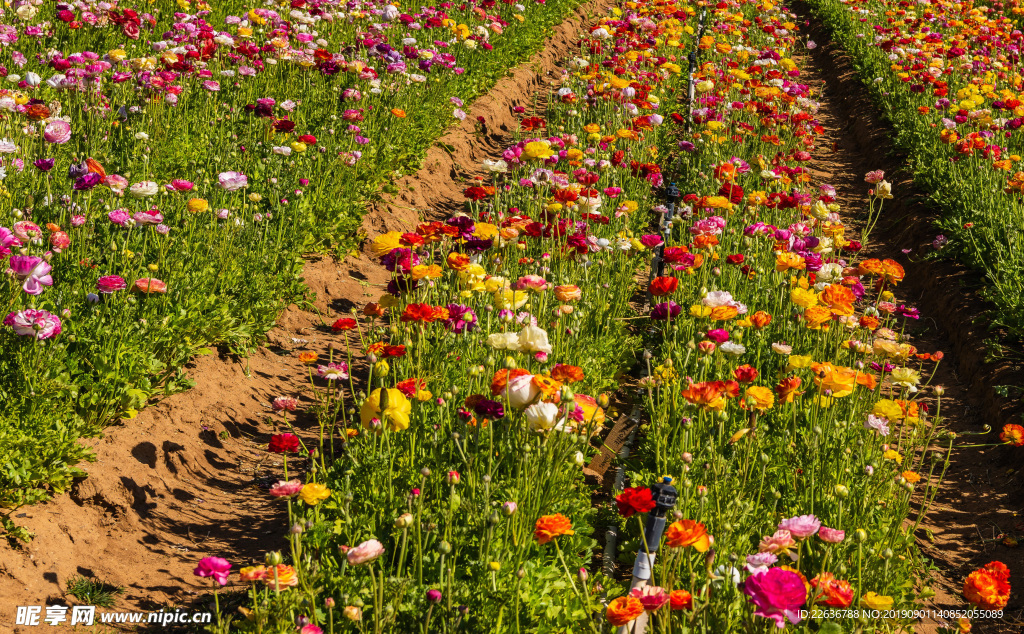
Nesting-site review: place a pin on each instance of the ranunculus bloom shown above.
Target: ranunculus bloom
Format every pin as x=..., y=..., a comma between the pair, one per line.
x=313, y=493
x=365, y=552
x=57, y=132
x=831, y=591
x=395, y=414
x=345, y=323
x=252, y=573
x=778, y=595
x=34, y=323
x=549, y=527
x=232, y=181
x=110, y=284
x=520, y=391
x=651, y=597
x=568, y=293
x=283, y=443
x=680, y=600
x=534, y=339
x=685, y=533
x=831, y=535
x=623, y=610
x=801, y=527
x=33, y=271
x=150, y=285
x=280, y=577
x=661, y=286
x=288, y=489
x=988, y=587
x=144, y=189
x=634, y=500
x=541, y=416
x=214, y=567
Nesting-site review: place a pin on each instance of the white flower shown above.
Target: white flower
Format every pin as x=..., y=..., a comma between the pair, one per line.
x=534, y=339
x=495, y=167
x=504, y=341
x=7, y=146
x=521, y=391
x=283, y=150
x=732, y=348
x=541, y=416
x=141, y=136
x=144, y=189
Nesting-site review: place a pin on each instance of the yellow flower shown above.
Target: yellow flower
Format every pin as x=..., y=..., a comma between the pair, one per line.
x=507, y=299
x=198, y=205
x=385, y=242
x=313, y=493
x=874, y=601
x=298, y=147
x=395, y=414
x=803, y=298
x=759, y=397
x=887, y=409
x=893, y=455
x=798, y=361
x=700, y=310
x=538, y=150
x=117, y=54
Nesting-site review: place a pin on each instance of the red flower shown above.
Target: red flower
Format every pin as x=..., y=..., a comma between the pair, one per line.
x=664, y=286
x=419, y=312
x=745, y=374
x=410, y=387
x=394, y=351
x=345, y=323
x=284, y=443
x=634, y=500
x=735, y=259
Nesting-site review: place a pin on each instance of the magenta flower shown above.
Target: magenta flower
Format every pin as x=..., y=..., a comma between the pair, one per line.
x=110, y=284
x=778, y=594
x=718, y=335
x=434, y=596
x=120, y=217
x=801, y=526
x=665, y=311
x=461, y=318
x=33, y=271
x=214, y=567
x=32, y=322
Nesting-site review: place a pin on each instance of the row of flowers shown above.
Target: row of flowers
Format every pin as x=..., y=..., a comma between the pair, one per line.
x=947, y=75
x=162, y=173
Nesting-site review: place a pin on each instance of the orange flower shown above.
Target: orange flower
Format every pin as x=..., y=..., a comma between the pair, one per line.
x=681, y=600
x=871, y=323
x=788, y=260
x=568, y=293
x=285, y=577
x=549, y=527
x=308, y=358
x=817, y=316
x=567, y=373
x=723, y=313
x=623, y=610
x=373, y=309
x=705, y=395
x=760, y=319
x=398, y=112
x=832, y=591
x=458, y=261
x=252, y=573
x=547, y=385
x=419, y=312
x=988, y=587
x=661, y=286
x=685, y=533
x=839, y=299
x=786, y=390
x=1013, y=435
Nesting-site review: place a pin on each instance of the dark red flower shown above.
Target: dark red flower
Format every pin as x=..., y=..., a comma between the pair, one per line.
x=345, y=323
x=284, y=443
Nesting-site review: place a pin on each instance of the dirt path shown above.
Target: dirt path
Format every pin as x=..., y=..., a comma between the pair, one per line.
x=981, y=497
x=182, y=480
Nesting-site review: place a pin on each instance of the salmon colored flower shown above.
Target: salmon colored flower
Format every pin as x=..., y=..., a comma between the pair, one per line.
x=686, y=533
x=149, y=285
x=281, y=577
x=252, y=573
x=549, y=527
x=623, y=610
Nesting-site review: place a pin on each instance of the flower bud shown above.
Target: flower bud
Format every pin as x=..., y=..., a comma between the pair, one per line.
x=273, y=558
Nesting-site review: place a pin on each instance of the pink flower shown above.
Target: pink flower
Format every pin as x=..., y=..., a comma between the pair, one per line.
x=333, y=371
x=287, y=489
x=214, y=567
x=33, y=270
x=779, y=543
x=831, y=535
x=874, y=177
x=759, y=562
x=111, y=284
x=528, y=282
x=77, y=221
x=367, y=551
x=307, y=629
x=120, y=217
x=57, y=132
x=232, y=181
x=181, y=185
x=778, y=594
x=652, y=597
x=32, y=322
x=801, y=526
x=149, y=217
x=285, y=403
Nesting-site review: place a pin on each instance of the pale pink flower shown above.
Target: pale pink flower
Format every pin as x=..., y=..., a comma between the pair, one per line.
x=652, y=597
x=831, y=535
x=365, y=552
x=801, y=526
x=287, y=489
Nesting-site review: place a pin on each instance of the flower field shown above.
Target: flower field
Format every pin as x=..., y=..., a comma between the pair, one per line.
x=653, y=236
x=164, y=174
x=947, y=75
